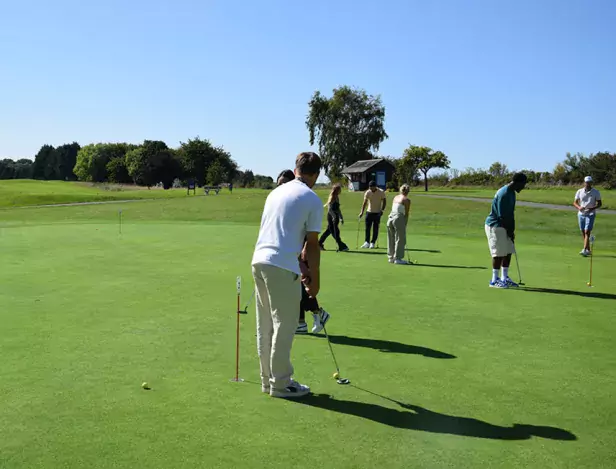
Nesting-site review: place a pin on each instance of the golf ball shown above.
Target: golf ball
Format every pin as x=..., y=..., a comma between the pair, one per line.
x=336, y=375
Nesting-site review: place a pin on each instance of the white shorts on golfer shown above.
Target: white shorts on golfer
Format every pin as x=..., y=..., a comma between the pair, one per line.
x=499, y=242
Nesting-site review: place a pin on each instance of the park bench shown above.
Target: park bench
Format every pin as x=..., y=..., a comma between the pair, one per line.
x=207, y=189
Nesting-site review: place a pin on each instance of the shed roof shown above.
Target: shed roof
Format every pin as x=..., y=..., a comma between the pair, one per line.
x=362, y=166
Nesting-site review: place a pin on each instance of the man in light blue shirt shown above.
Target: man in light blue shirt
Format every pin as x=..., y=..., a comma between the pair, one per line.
x=500, y=230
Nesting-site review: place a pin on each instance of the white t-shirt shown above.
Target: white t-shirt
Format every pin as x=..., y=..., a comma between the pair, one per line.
x=587, y=199
x=291, y=210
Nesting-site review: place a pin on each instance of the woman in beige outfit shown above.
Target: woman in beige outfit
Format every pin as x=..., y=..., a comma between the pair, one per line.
x=396, y=226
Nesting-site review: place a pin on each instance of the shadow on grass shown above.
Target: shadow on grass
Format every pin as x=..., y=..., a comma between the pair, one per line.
x=605, y=256
x=414, y=417
x=433, y=251
x=588, y=294
x=421, y=264
x=386, y=346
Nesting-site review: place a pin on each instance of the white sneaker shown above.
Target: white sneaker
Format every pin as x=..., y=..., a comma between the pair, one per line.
x=401, y=262
x=293, y=390
x=320, y=319
x=391, y=260
x=365, y=245
x=371, y=245
x=302, y=328
x=585, y=252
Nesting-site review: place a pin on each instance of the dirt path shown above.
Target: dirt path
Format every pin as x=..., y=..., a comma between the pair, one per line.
x=568, y=208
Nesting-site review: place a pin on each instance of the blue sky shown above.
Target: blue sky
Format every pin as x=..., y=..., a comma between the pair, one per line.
x=522, y=82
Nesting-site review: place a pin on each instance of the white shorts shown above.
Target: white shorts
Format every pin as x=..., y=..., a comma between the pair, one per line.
x=500, y=244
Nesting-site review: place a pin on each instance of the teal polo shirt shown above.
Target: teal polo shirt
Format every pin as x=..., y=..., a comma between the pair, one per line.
x=503, y=206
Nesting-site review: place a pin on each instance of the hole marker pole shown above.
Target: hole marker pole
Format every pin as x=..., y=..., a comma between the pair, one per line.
x=237, y=332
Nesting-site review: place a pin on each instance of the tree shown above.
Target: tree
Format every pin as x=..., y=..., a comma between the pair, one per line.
x=117, y=171
x=92, y=160
x=44, y=163
x=65, y=159
x=346, y=127
x=425, y=159
x=498, y=170
x=153, y=162
x=197, y=155
x=216, y=174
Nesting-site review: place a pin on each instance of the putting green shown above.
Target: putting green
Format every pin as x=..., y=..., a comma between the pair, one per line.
x=445, y=372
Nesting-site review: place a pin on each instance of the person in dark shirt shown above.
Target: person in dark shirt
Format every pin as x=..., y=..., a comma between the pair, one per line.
x=334, y=219
x=500, y=230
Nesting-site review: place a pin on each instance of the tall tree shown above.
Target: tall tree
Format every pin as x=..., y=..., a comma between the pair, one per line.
x=425, y=159
x=44, y=163
x=346, y=127
x=66, y=158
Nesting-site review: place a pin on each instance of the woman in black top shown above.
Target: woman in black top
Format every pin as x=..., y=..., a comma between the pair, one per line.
x=334, y=218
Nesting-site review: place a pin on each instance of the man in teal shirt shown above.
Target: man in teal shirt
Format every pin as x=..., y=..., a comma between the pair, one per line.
x=500, y=230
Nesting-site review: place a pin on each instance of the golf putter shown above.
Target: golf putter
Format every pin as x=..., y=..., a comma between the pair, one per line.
x=339, y=380
x=515, y=252
x=592, y=248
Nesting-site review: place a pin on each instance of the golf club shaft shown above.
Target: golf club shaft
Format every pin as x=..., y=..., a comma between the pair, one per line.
x=331, y=350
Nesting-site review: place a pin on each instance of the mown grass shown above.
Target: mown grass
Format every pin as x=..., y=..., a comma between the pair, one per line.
x=24, y=192
x=546, y=195
x=445, y=372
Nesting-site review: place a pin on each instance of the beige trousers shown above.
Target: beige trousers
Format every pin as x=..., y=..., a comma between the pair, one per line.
x=278, y=294
x=396, y=236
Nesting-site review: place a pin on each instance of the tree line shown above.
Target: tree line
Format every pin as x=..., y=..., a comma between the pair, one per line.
x=148, y=164
x=350, y=126
x=347, y=127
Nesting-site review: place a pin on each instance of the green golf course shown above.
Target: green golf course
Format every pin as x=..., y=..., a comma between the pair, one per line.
x=444, y=371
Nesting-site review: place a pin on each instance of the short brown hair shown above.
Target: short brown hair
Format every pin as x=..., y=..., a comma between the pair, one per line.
x=308, y=163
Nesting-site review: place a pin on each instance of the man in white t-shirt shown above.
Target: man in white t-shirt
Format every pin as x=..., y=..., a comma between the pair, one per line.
x=292, y=213
x=587, y=200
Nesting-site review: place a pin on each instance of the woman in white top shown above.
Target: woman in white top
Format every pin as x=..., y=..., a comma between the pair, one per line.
x=396, y=226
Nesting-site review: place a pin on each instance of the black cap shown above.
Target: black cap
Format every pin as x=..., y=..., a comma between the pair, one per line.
x=372, y=184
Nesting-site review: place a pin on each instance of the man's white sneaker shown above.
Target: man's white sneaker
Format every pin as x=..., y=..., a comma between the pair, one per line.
x=585, y=252
x=365, y=245
x=401, y=262
x=293, y=390
x=320, y=319
x=302, y=328
x=371, y=245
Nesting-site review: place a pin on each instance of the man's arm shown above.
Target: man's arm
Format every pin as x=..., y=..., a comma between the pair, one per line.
x=312, y=254
x=384, y=202
x=576, y=204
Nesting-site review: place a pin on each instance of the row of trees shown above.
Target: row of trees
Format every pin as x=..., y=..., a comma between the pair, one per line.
x=350, y=126
x=148, y=164
x=601, y=166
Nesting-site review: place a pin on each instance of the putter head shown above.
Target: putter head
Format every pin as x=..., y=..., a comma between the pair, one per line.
x=242, y=312
x=343, y=381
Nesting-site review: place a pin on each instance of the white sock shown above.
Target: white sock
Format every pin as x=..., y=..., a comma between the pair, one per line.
x=505, y=273
x=494, y=275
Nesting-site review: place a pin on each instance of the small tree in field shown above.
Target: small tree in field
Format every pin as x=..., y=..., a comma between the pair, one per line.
x=424, y=159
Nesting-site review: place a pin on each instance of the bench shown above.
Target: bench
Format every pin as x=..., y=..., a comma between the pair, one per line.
x=207, y=189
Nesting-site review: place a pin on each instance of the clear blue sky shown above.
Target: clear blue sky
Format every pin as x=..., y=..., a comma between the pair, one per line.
x=520, y=81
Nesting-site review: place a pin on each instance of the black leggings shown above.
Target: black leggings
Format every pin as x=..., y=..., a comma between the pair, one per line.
x=333, y=228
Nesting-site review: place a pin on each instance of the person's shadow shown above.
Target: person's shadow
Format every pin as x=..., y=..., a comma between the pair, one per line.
x=386, y=346
x=414, y=417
